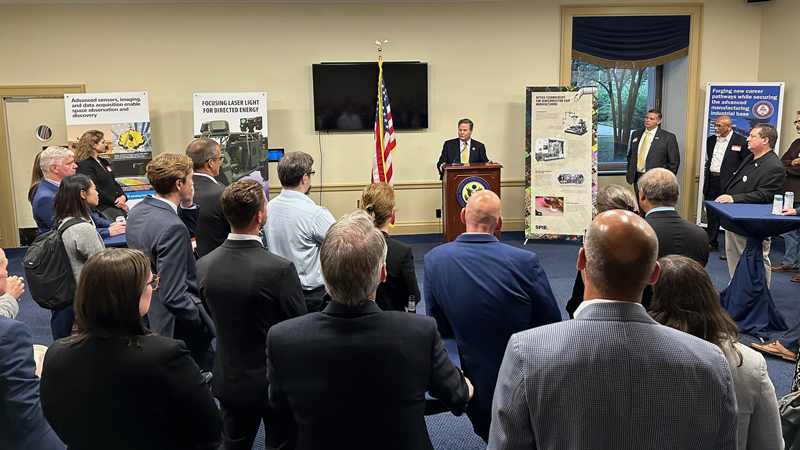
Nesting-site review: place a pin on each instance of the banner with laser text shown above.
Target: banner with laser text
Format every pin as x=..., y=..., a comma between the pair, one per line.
x=238, y=122
x=747, y=104
x=124, y=120
x=560, y=161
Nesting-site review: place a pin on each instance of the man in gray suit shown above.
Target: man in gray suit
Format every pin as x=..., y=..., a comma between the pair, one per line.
x=613, y=378
x=161, y=226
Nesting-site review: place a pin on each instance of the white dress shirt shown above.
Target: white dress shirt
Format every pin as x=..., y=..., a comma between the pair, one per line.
x=719, y=152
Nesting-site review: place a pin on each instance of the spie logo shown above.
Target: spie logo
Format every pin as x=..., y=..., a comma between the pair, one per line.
x=763, y=109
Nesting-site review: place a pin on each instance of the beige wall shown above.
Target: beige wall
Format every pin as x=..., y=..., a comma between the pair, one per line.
x=779, y=60
x=480, y=55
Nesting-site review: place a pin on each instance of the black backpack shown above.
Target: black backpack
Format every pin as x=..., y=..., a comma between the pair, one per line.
x=48, y=273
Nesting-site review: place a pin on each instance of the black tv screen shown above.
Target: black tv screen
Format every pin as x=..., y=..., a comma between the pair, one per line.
x=346, y=95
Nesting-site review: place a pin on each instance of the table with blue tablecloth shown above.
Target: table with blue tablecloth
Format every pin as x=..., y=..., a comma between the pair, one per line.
x=116, y=241
x=747, y=298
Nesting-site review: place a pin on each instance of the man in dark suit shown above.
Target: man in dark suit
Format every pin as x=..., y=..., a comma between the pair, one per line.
x=212, y=228
x=247, y=290
x=483, y=308
x=613, y=378
x=759, y=177
x=22, y=424
x=462, y=149
x=725, y=150
x=658, y=194
x=651, y=147
x=160, y=226
x=355, y=376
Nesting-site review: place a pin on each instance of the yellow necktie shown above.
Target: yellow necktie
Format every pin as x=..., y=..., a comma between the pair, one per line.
x=464, y=154
x=642, y=152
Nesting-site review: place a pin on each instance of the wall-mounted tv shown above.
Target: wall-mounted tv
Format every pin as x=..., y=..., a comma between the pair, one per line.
x=346, y=94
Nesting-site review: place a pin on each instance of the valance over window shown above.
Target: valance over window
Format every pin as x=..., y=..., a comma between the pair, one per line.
x=630, y=41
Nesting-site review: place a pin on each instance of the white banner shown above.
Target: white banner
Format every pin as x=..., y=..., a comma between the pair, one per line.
x=124, y=120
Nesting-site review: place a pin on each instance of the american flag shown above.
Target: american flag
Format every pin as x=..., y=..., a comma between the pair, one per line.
x=384, y=134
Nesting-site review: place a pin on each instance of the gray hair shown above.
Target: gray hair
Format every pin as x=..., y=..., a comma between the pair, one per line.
x=660, y=187
x=351, y=258
x=201, y=150
x=614, y=267
x=614, y=196
x=292, y=166
x=53, y=155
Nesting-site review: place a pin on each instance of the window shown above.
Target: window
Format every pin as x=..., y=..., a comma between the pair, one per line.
x=624, y=96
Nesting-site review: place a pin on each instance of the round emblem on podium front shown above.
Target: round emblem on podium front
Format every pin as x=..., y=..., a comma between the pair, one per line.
x=470, y=186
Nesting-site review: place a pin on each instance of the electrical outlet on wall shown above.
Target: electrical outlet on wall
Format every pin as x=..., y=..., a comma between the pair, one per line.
x=438, y=213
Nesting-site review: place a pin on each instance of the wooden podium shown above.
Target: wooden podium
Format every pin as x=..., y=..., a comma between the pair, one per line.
x=458, y=183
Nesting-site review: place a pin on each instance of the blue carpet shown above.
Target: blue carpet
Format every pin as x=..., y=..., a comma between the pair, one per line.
x=558, y=260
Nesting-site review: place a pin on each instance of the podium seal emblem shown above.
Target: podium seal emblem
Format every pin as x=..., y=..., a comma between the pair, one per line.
x=470, y=186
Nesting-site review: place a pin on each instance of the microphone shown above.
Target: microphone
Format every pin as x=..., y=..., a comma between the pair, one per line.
x=457, y=161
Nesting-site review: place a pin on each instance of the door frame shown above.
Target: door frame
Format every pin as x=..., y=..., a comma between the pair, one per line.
x=9, y=234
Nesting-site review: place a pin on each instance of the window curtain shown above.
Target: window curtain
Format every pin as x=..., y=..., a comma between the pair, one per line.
x=630, y=42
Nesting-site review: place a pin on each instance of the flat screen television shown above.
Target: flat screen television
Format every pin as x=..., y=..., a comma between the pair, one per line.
x=346, y=95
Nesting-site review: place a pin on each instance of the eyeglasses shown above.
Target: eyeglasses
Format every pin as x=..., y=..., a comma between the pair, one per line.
x=156, y=282
x=310, y=173
x=720, y=125
x=796, y=122
x=220, y=158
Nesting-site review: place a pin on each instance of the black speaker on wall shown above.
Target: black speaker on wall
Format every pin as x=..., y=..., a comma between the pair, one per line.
x=757, y=1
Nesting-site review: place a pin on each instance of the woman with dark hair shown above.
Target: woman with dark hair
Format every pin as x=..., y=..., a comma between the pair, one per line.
x=685, y=299
x=377, y=200
x=116, y=384
x=87, y=156
x=609, y=197
x=76, y=194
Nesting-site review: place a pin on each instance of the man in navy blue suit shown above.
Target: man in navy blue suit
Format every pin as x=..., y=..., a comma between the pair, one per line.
x=482, y=292
x=463, y=149
x=161, y=226
x=22, y=424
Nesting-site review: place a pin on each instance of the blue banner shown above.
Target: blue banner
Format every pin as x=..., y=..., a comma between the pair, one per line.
x=747, y=104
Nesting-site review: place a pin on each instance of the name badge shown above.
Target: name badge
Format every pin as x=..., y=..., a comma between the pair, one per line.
x=744, y=179
x=635, y=139
x=108, y=169
x=736, y=148
x=194, y=245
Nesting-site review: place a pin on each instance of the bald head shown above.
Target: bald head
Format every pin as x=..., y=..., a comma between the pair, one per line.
x=722, y=126
x=483, y=213
x=619, y=256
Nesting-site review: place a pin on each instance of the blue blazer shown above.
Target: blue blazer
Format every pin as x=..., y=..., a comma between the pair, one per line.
x=22, y=424
x=44, y=215
x=154, y=228
x=482, y=291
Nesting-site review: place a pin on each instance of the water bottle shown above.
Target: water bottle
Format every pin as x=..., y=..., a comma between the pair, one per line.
x=777, y=204
x=412, y=304
x=788, y=200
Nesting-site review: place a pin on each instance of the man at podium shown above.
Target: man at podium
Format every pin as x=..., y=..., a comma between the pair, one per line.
x=462, y=149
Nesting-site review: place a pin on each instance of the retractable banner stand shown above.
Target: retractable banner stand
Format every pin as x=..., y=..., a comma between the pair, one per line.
x=238, y=122
x=747, y=104
x=124, y=120
x=560, y=161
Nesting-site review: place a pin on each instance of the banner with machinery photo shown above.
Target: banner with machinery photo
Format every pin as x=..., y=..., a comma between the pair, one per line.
x=124, y=120
x=238, y=122
x=560, y=161
x=747, y=104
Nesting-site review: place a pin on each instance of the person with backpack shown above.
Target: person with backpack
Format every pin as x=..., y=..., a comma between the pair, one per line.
x=75, y=196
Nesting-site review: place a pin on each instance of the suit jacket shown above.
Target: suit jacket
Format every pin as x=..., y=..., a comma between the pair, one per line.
x=247, y=290
x=482, y=292
x=154, y=228
x=401, y=277
x=677, y=236
x=106, y=393
x=451, y=152
x=613, y=378
x=212, y=227
x=663, y=152
x=757, y=181
x=730, y=160
x=759, y=419
x=44, y=215
x=792, y=183
x=356, y=378
x=107, y=187
x=22, y=424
